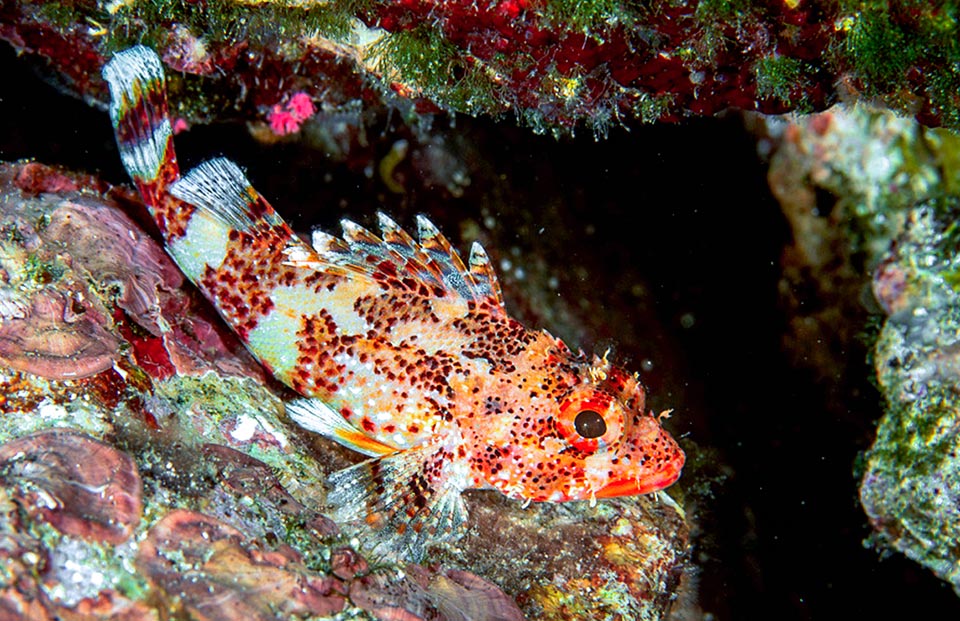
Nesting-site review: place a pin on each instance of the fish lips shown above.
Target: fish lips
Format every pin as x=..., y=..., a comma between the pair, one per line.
x=650, y=482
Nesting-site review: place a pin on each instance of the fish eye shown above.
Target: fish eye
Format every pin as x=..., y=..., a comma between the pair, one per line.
x=590, y=424
x=590, y=419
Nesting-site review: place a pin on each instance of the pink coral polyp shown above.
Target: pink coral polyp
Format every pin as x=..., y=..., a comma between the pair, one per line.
x=282, y=122
x=301, y=106
x=287, y=118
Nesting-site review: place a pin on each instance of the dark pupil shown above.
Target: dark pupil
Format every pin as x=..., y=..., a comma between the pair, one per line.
x=590, y=424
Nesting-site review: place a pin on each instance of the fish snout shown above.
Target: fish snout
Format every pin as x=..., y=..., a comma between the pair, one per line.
x=656, y=462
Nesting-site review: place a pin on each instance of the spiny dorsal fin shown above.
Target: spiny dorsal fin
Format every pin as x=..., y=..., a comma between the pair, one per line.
x=406, y=497
x=416, y=260
x=432, y=261
x=220, y=187
x=327, y=245
x=436, y=246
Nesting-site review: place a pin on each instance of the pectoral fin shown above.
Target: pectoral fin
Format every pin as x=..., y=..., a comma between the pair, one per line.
x=405, y=499
x=315, y=415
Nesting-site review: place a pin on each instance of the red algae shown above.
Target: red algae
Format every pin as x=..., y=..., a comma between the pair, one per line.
x=555, y=64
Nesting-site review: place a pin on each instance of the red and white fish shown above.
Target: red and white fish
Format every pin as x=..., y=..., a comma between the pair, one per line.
x=402, y=352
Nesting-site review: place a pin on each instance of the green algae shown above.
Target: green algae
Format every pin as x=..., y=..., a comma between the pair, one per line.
x=588, y=15
x=912, y=469
x=53, y=404
x=225, y=410
x=783, y=78
x=425, y=60
x=888, y=44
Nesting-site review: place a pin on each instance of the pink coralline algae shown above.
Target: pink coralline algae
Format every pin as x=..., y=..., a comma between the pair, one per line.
x=448, y=594
x=288, y=117
x=217, y=573
x=55, y=336
x=79, y=485
x=108, y=243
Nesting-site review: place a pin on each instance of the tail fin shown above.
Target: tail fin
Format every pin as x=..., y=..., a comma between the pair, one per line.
x=138, y=109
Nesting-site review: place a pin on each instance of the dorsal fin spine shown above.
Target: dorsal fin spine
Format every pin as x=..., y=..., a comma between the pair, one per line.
x=484, y=276
x=415, y=259
x=436, y=246
x=432, y=262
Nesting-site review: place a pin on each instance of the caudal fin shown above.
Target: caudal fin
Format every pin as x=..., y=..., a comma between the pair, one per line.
x=138, y=109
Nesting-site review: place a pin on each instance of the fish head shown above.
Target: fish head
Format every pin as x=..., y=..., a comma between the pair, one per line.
x=592, y=439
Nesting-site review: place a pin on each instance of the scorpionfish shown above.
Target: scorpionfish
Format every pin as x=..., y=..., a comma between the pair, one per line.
x=400, y=350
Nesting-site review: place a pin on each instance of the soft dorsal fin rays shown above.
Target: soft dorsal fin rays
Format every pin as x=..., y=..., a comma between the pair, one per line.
x=220, y=187
x=408, y=496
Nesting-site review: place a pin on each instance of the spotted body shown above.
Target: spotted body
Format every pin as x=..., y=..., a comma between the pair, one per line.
x=400, y=350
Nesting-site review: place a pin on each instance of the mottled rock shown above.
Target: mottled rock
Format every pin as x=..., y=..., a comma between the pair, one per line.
x=64, y=232
x=574, y=561
x=215, y=573
x=870, y=198
x=911, y=483
x=553, y=65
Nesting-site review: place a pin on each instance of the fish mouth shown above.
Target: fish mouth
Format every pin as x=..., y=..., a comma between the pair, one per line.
x=631, y=486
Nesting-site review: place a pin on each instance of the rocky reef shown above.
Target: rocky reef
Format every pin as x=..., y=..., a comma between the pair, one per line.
x=116, y=376
x=872, y=201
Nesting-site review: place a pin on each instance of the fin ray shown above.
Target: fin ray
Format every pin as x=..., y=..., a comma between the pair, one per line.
x=220, y=187
x=315, y=415
x=138, y=109
x=432, y=261
x=484, y=276
x=407, y=497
